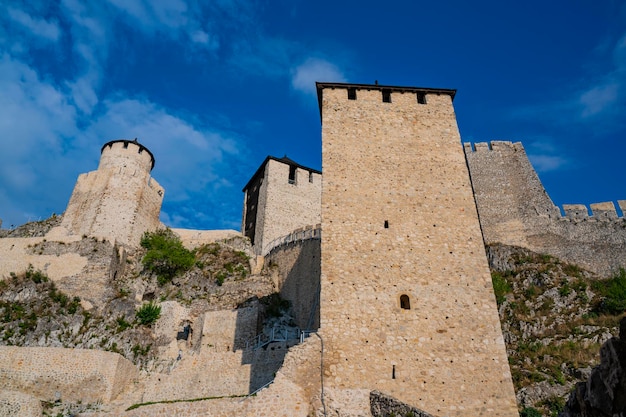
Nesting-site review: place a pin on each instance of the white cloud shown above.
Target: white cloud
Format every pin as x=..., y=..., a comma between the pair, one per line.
x=38, y=27
x=314, y=69
x=545, y=163
x=544, y=156
x=607, y=94
x=35, y=123
x=598, y=99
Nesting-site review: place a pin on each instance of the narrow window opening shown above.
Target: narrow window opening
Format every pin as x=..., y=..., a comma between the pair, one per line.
x=421, y=97
x=125, y=145
x=292, y=174
x=405, y=303
x=393, y=372
x=386, y=95
x=386, y=224
x=310, y=177
x=351, y=93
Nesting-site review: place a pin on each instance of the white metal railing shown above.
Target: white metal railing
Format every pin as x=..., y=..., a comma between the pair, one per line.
x=278, y=335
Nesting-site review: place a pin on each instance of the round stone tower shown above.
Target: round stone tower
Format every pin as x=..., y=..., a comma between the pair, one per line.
x=118, y=201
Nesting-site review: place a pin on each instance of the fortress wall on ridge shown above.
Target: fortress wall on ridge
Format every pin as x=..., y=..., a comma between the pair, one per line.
x=515, y=209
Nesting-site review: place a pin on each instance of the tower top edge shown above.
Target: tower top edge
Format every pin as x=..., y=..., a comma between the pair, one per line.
x=134, y=142
x=394, y=88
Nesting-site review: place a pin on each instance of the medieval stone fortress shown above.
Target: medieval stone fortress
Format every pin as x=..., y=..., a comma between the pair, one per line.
x=381, y=255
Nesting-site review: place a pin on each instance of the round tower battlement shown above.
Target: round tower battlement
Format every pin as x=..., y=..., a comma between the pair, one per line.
x=123, y=153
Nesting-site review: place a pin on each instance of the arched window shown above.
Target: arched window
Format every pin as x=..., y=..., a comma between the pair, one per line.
x=405, y=303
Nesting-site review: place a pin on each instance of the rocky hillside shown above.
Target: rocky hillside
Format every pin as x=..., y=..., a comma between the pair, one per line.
x=555, y=317
x=35, y=312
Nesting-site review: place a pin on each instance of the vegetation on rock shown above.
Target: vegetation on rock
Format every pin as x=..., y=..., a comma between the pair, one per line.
x=166, y=255
x=554, y=316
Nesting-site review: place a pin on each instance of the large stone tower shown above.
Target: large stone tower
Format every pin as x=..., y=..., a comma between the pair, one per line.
x=119, y=200
x=407, y=305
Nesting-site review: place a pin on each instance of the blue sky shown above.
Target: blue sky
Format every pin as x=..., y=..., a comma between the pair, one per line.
x=213, y=87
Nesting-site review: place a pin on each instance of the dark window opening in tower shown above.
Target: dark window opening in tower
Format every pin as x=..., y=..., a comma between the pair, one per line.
x=310, y=177
x=386, y=95
x=125, y=145
x=351, y=93
x=292, y=174
x=393, y=372
x=386, y=224
x=421, y=97
x=405, y=303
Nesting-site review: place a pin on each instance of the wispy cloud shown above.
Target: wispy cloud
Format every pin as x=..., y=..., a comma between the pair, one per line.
x=306, y=74
x=72, y=111
x=39, y=27
x=598, y=101
x=545, y=156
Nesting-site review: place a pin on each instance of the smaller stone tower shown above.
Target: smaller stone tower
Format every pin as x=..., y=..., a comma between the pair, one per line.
x=281, y=197
x=118, y=201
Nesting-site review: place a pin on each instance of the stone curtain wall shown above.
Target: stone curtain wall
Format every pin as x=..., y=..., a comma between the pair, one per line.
x=76, y=374
x=285, y=207
x=298, y=269
x=119, y=200
x=515, y=209
x=399, y=218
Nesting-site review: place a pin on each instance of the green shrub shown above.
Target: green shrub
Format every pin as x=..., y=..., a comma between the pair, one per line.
x=500, y=286
x=122, y=324
x=613, y=293
x=148, y=313
x=37, y=276
x=166, y=256
x=529, y=412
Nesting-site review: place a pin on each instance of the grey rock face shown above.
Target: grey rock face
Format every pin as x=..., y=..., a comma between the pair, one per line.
x=604, y=393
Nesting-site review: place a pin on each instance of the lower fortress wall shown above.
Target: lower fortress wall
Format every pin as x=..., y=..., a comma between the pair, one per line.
x=68, y=374
x=298, y=266
x=515, y=209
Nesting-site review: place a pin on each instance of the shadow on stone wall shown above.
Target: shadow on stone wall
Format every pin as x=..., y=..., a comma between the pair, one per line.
x=296, y=267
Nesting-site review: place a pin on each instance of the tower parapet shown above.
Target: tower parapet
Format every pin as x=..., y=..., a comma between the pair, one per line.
x=118, y=201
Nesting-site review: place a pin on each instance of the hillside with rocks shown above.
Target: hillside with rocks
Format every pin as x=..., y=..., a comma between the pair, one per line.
x=555, y=317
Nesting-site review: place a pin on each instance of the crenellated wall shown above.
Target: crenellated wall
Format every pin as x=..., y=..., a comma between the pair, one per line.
x=119, y=200
x=515, y=209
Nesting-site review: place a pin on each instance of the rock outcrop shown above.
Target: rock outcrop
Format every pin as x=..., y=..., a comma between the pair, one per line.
x=604, y=393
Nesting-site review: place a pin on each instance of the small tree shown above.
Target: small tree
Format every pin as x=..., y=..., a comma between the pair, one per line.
x=166, y=255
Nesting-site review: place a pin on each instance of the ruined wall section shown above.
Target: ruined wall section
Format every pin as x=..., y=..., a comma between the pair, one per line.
x=515, y=209
x=119, y=200
x=407, y=305
x=77, y=374
x=285, y=205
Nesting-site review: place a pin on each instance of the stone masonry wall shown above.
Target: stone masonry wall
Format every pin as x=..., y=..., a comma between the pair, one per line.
x=18, y=404
x=284, y=206
x=298, y=268
x=515, y=209
x=399, y=220
x=76, y=374
x=119, y=200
